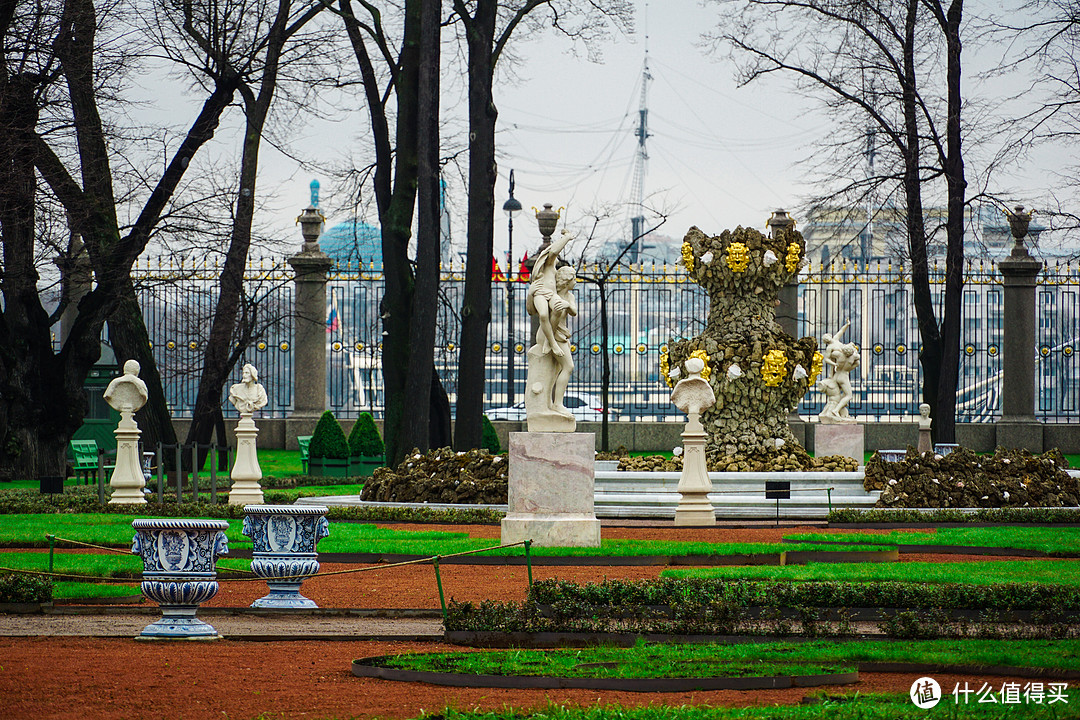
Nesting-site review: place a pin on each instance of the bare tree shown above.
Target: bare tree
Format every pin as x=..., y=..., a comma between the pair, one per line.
x=914, y=105
x=488, y=26
x=56, y=73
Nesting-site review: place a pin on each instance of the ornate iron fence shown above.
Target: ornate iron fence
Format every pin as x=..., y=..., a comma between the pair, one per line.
x=646, y=308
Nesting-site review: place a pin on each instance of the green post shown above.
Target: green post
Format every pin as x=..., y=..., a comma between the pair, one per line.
x=52, y=538
x=528, y=563
x=438, y=581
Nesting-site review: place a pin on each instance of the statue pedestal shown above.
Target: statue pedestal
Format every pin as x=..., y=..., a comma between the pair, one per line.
x=840, y=439
x=246, y=472
x=694, y=485
x=127, y=479
x=551, y=490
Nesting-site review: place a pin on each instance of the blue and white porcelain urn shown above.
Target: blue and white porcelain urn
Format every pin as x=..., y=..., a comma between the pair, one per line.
x=284, y=539
x=179, y=572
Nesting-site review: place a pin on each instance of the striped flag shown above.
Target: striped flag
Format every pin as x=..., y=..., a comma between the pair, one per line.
x=332, y=321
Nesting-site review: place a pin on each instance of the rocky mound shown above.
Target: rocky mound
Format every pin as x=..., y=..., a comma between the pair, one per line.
x=442, y=476
x=795, y=459
x=1009, y=478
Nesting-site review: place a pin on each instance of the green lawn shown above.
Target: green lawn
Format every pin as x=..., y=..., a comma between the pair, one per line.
x=662, y=660
x=831, y=703
x=69, y=590
x=1053, y=572
x=1046, y=539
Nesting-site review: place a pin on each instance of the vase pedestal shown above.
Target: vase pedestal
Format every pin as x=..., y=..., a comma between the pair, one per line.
x=284, y=539
x=694, y=509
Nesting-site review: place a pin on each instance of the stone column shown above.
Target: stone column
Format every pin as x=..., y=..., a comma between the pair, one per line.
x=1018, y=427
x=311, y=265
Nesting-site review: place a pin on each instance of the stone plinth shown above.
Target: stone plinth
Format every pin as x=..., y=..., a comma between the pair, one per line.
x=551, y=490
x=841, y=439
x=127, y=479
x=246, y=472
x=694, y=508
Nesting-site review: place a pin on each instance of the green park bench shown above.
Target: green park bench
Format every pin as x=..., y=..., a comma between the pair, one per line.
x=84, y=460
x=305, y=442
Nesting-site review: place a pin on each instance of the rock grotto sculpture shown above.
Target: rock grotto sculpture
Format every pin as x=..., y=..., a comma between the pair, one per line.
x=757, y=371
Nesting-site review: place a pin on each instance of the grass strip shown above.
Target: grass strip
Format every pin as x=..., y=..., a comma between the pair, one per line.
x=641, y=661
x=30, y=531
x=1046, y=539
x=850, y=705
x=1051, y=572
x=648, y=660
x=72, y=590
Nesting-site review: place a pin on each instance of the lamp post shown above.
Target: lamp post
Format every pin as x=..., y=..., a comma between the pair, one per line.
x=511, y=207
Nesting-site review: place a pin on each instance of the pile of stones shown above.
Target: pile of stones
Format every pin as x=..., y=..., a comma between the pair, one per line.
x=793, y=459
x=442, y=476
x=962, y=479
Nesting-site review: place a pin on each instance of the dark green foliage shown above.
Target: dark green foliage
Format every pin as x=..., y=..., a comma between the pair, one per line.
x=84, y=500
x=489, y=438
x=20, y=588
x=328, y=440
x=1004, y=516
x=364, y=438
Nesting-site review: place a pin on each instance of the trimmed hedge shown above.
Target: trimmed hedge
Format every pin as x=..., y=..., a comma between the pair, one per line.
x=1005, y=516
x=328, y=439
x=364, y=437
x=20, y=588
x=489, y=439
x=84, y=500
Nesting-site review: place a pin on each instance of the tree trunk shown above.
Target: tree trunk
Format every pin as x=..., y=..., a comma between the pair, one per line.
x=396, y=223
x=476, y=306
x=945, y=419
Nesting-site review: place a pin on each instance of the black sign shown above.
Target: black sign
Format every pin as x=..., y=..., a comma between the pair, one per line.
x=777, y=489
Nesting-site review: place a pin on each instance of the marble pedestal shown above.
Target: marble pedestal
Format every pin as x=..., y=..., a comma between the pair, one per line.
x=127, y=479
x=694, y=508
x=246, y=472
x=551, y=490
x=840, y=439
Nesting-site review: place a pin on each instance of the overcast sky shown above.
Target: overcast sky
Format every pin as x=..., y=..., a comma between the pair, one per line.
x=719, y=155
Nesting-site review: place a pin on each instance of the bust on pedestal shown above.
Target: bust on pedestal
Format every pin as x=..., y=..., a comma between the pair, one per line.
x=126, y=394
x=551, y=467
x=247, y=396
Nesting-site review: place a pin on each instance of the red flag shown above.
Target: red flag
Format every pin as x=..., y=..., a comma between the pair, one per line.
x=523, y=270
x=496, y=272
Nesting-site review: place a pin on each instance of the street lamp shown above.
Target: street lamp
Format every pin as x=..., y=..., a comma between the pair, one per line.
x=511, y=207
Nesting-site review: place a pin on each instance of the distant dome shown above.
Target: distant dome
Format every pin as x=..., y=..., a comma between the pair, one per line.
x=352, y=242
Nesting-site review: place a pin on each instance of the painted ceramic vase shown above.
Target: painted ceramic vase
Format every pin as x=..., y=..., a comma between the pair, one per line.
x=179, y=572
x=284, y=539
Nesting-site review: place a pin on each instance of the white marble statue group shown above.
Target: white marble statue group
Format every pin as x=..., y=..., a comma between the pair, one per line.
x=127, y=394
x=842, y=358
x=551, y=301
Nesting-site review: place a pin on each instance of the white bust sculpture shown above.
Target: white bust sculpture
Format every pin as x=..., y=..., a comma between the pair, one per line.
x=127, y=393
x=843, y=358
x=693, y=393
x=248, y=395
x=550, y=299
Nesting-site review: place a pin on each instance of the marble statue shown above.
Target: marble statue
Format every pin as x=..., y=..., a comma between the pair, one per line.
x=127, y=394
x=248, y=395
x=843, y=357
x=693, y=394
x=551, y=301
x=926, y=443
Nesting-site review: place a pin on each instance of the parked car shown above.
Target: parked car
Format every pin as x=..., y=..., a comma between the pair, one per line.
x=585, y=408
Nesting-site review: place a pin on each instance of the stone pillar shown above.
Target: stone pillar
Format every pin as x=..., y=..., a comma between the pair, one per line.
x=246, y=472
x=311, y=265
x=1018, y=427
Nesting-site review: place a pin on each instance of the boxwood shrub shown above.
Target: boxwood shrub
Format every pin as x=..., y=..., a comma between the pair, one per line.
x=21, y=588
x=328, y=439
x=364, y=437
